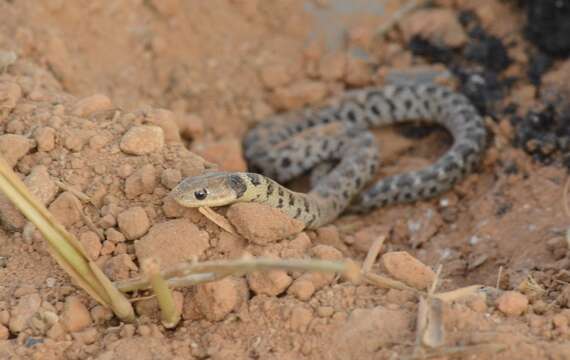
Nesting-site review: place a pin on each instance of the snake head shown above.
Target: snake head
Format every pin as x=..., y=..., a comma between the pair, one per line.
x=211, y=190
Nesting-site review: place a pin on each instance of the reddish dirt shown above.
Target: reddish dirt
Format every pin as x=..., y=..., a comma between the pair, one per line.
x=120, y=102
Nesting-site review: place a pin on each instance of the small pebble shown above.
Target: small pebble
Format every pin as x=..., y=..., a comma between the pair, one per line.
x=512, y=303
x=45, y=138
x=325, y=311
x=274, y=76
x=119, y=267
x=300, y=318
x=406, y=268
x=4, y=332
x=215, y=300
x=23, y=312
x=100, y=314
x=170, y=178
x=302, y=289
x=91, y=104
x=75, y=316
x=66, y=208
x=133, y=222
x=14, y=147
x=262, y=224
x=172, y=242
x=143, y=181
x=91, y=243
x=270, y=283
x=142, y=139
x=115, y=236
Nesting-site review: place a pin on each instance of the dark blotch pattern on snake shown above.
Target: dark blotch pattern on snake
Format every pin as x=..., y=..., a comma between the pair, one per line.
x=334, y=143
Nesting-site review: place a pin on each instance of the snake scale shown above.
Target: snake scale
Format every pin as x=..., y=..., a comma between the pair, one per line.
x=333, y=141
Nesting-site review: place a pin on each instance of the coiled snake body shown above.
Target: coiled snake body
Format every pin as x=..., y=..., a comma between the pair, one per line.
x=333, y=142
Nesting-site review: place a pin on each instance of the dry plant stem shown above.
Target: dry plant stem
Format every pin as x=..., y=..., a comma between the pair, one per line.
x=223, y=268
x=459, y=350
x=387, y=283
x=80, y=195
x=373, y=254
x=67, y=251
x=217, y=219
x=565, y=197
x=170, y=316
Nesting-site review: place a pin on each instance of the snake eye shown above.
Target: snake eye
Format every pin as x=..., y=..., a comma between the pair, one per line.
x=201, y=194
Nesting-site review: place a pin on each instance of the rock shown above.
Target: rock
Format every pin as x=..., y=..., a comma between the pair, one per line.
x=302, y=289
x=439, y=26
x=115, y=236
x=368, y=330
x=91, y=243
x=10, y=93
x=4, y=333
x=87, y=336
x=273, y=76
x=22, y=313
x=142, y=181
x=328, y=235
x=91, y=104
x=133, y=222
x=406, y=268
x=170, y=178
x=300, y=318
x=66, y=208
x=142, y=140
x=512, y=303
x=322, y=252
x=97, y=142
x=215, y=300
x=172, y=242
x=107, y=248
x=10, y=217
x=332, y=67
x=271, y=283
x=45, y=138
x=14, y=147
x=226, y=153
x=56, y=332
x=100, y=314
x=41, y=185
x=298, y=95
x=166, y=120
x=119, y=267
x=75, y=316
x=358, y=72
x=262, y=224
x=297, y=248
x=230, y=245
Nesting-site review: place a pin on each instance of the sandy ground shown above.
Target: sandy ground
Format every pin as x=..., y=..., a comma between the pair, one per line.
x=119, y=101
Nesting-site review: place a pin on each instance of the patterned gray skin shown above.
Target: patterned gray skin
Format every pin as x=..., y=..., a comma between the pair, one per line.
x=288, y=145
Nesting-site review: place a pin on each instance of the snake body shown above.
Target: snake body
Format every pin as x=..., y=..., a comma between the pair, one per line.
x=334, y=142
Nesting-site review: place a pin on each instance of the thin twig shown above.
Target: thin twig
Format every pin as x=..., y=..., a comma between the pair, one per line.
x=373, y=253
x=182, y=272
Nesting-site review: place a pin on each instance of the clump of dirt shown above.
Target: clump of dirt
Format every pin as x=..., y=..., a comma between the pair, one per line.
x=100, y=125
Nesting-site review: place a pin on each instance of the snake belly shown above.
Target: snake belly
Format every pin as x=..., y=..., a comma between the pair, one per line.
x=333, y=141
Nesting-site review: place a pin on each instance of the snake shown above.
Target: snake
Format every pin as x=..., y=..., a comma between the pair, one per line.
x=334, y=145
